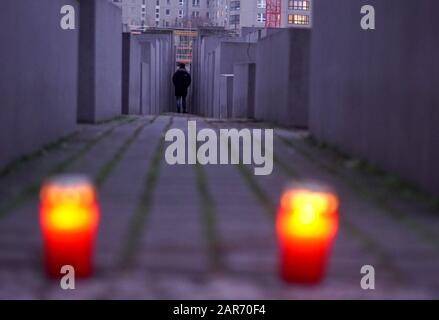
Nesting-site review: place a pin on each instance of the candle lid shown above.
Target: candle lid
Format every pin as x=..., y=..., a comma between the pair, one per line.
x=72, y=188
x=69, y=180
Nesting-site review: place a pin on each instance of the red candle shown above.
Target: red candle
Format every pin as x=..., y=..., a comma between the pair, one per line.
x=69, y=217
x=307, y=223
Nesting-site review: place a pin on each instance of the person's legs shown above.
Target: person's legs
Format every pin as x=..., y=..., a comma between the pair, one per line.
x=183, y=103
x=178, y=104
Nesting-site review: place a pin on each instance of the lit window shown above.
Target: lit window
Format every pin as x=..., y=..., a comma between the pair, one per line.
x=299, y=19
x=302, y=5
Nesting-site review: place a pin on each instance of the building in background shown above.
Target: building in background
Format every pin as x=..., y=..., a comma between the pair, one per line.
x=134, y=15
x=296, y=13
x=268, y=13
x=178, y=13
x=246, y=13
x=231, y=14
x=218, y=12
x=184, y=46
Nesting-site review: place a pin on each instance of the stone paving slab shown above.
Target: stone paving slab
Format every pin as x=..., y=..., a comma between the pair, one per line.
x=174, y=222
x=120, y=194
x=25, y=175
x=373, y=227
x=203, y=232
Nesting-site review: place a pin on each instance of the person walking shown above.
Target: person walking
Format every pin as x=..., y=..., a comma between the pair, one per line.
x=182, y=81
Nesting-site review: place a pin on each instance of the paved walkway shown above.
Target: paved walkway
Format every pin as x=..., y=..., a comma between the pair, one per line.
x=194, y=232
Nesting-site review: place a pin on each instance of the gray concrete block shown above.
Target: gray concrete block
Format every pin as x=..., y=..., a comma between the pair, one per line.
x=227, y=54
x=226, y=96
x=38, y=78
x=216, y=51
x=108, y=61
x=100, y=61
x=244, y=86
x=146, y=89
x=211, y=84
x=207, y=40
x=157, y=50
x=374, y=93
x=282, y=76
x=131, y=75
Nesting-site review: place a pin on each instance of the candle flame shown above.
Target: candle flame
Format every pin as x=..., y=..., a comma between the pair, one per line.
x=308, y=213
x=68, y=208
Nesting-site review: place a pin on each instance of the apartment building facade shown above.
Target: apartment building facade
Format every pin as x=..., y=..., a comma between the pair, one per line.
x=133, y=13
x=219, y=12
x=296, y=13
x=177, y=13
x=253, y=13
x=231, y=14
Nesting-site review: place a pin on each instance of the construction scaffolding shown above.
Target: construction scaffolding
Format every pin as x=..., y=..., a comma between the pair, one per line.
x=274, y=13
x=183, y=45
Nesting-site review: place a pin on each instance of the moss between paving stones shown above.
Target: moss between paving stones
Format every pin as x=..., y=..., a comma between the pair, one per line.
x=32, y=189
x=370, y=194
x=28, y=158
x=108, y=167
x=368, y=243
x=135, y=229
x=251, y=182
x=365, y=169
x=209, y=218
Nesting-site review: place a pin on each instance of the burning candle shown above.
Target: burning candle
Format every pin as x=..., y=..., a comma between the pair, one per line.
x=307, y=223
x=69, y=217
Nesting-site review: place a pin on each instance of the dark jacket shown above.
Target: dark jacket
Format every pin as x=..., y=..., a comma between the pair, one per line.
x=182, y=80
